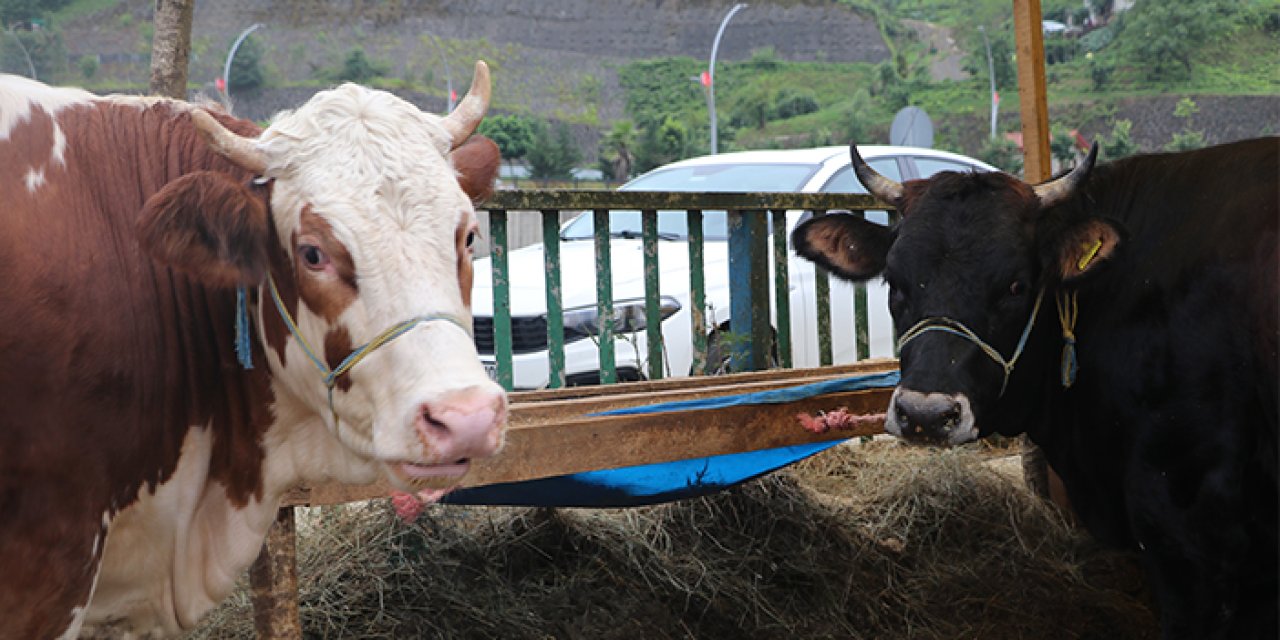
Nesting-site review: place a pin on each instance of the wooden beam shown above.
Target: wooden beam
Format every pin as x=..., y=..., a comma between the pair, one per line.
x=651, y=387
x=1029, y=35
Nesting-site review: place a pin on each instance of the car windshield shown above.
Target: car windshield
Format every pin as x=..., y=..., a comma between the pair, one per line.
x=719, y=178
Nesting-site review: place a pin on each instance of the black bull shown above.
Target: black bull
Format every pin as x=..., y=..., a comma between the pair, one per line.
x=1125, y=317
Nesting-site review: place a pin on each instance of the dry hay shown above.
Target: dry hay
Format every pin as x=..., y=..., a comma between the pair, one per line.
x=875, y=541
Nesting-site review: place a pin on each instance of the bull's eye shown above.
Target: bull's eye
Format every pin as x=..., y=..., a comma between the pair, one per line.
x=1015, y=289
x=313, y=257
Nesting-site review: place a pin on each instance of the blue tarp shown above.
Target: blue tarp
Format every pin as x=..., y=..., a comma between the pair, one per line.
x=675, y=480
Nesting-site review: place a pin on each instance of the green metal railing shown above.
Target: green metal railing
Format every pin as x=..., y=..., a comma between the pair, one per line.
x=749, y=218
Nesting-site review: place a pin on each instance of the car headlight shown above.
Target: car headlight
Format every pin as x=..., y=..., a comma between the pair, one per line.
x=628, y=317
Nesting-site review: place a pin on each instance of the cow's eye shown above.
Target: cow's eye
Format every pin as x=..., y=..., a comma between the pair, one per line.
x=471, y=238
x=1016, y=288
x=313, y=257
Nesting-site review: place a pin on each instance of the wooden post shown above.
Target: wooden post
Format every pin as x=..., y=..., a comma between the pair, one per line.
x=171, y=48
x=1031, y=90
x=274, y=582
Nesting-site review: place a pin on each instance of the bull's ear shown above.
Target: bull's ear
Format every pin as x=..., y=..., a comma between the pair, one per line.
x=477, y=162
x=209, y=226
x=1083, y=248
x=845, y=245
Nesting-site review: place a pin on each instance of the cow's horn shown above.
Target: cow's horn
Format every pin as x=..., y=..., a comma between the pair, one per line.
x=468, y=114
x=885, y=189
x=235, y=148
x=1056, y=191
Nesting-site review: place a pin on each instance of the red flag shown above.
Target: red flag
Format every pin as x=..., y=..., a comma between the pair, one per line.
x=221, y=84
x=706, y=78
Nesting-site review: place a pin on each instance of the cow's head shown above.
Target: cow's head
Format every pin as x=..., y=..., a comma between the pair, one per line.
x=357, y=233
x=969, y=265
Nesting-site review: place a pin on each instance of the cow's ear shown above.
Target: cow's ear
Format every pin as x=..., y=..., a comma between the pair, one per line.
x=845, y=245
x=477, y=162
x=209, y=226
x=1083, y=248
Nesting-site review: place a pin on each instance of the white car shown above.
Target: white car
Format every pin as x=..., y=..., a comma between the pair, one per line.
x=819, y=170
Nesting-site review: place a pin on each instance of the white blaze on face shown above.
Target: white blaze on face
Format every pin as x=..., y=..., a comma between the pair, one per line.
x=363, y=176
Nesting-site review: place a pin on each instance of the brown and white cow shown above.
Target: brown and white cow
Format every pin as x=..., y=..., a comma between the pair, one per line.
x=140, y=463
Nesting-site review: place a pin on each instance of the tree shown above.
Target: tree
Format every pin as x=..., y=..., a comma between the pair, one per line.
x=246, y=67
x=171, y=48
x=1120, y=143
x=88, y=66
x=553, y=155
x=359, y=68
x=12, y=11
x=1188, y=138
x=1002, y=62
x=1063, y=146
x=38, y=51
x=1003, y=154
x=616, y=159
x=659, y=145
x=1162, y=37
x=513, y=135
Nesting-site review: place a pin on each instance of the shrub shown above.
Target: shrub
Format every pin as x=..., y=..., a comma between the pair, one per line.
x=88, y=66
x=790, y=103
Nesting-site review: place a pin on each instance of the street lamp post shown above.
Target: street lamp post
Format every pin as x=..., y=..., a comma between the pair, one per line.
x=711, y=75
x=991, y=73
x=225, y=87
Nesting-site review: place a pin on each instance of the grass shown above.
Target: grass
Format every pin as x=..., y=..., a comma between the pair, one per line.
x=879, y=540
x=82, y=8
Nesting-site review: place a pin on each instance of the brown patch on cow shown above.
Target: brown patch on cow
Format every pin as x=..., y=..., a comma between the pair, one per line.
x=326, y=297
x=111, y=358
x=337, y=346
x=477, y=161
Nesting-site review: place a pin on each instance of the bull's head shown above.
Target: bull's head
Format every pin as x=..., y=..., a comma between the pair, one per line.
x=357, y=238
x=968, y=267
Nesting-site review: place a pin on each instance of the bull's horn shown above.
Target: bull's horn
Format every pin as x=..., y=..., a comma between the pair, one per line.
x=1056, y=191
x=885, y=189
x=231, y=146
x=468, y=114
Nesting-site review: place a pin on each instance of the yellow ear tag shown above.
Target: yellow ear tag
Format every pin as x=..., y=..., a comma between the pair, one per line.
x=1090, y=252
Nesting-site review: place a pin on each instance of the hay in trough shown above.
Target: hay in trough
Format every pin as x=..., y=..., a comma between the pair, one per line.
x=873, y=541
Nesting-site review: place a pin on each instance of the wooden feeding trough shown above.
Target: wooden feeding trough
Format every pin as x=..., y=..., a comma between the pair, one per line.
x=620, y=445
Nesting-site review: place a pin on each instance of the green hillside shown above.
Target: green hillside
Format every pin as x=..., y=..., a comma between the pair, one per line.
x=1191, y=51
x=1173, y=73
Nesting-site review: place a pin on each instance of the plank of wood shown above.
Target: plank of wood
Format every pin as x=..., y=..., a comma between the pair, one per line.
x=608, y=442
x=554, y=410
x=864, y=367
